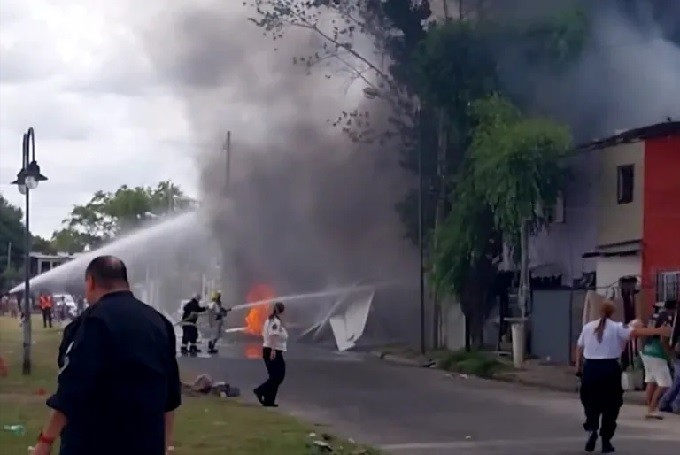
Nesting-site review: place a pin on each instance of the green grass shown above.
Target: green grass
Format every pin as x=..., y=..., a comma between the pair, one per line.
x=204, y=425
x=477, y=363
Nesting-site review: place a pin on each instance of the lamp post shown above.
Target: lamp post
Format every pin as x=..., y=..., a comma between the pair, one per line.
x=27, y=179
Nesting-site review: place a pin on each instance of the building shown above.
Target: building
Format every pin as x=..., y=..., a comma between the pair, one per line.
x=639, y=210
x=41, y=263
x=621, y=215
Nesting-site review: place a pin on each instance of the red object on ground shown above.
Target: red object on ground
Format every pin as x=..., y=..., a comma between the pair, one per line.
x=40, y=392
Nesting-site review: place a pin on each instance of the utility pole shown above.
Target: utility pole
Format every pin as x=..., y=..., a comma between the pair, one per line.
x=421, y=270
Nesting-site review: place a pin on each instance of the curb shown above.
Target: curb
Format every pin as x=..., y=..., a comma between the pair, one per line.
x=398, y=360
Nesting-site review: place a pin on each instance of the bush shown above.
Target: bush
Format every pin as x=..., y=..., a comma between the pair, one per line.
x=474, y=362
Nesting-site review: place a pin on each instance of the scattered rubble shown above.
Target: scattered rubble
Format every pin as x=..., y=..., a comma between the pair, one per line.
x=205, y=385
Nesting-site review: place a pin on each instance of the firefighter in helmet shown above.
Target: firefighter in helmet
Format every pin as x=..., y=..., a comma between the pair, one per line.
x=216, y=315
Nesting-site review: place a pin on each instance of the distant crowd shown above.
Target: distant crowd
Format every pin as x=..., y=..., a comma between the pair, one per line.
x=52, y=307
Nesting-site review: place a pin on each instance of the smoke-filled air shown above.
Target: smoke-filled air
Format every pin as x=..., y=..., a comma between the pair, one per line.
x=298, y=206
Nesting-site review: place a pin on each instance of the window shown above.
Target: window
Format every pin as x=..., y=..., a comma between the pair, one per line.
x=625, y=178
x=667, y=286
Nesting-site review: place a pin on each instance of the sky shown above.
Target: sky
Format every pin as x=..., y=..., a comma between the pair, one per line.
x=76, y=72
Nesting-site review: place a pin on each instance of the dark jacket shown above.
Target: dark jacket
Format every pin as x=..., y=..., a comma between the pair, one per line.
x=118, y=377
x=191, y=310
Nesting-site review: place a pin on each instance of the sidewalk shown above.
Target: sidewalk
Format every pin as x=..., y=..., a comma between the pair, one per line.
x=534, y=373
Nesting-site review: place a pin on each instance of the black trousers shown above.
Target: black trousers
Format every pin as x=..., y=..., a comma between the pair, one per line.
x=601, y=395
x=189, y=334
x=47, y=317
x=276, y=370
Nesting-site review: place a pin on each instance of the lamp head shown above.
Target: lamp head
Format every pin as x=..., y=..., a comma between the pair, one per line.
x=33, y=175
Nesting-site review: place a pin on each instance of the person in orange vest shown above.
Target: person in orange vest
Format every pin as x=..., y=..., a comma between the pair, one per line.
x=45, y=301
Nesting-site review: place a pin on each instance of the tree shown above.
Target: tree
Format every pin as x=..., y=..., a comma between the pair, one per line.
x=109, y=214
x=514, y=168
x=11, y=242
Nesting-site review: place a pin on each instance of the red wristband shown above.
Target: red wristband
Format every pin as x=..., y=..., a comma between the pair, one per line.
x=45, y=440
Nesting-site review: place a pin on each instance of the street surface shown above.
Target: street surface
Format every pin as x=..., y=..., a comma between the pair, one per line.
x=408, y=410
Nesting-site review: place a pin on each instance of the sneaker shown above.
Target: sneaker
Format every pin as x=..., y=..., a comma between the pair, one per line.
x=653, y=416
x=607, y=446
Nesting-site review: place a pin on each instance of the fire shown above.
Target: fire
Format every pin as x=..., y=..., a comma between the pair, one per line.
x=257, y=315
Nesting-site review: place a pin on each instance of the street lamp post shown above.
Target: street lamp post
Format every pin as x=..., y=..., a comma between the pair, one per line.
x=27, y=179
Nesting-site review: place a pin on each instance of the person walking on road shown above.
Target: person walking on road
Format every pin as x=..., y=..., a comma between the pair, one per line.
x=655, y=356
x=118, y=383
x=671, y=400
x=275, y=340
x=601, y=344
x=45, y=302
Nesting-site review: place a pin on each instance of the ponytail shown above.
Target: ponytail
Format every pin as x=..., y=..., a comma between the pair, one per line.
x=599, y=331
x=606, y=311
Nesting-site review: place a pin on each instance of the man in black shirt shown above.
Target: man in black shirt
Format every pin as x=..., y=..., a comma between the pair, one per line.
x=118, y=383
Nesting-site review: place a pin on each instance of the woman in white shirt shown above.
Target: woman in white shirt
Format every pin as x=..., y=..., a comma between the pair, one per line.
x=274, y=344
x=601, y=343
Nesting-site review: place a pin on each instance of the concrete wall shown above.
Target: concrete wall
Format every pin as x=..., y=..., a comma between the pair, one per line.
x=611, y=269
x=620, y=222
x=563, y=244
x=662, y=211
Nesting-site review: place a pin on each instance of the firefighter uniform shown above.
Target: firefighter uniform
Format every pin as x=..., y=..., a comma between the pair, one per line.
x=190, y=314
x=216, y=316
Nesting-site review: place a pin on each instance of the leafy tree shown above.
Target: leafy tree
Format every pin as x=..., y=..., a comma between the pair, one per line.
x=514, y=169
x=11, y=233
x=108, y=214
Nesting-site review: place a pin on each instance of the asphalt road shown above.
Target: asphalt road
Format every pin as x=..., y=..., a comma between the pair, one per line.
x=408, y=410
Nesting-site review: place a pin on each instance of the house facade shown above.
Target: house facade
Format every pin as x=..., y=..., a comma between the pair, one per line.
x=621, y=216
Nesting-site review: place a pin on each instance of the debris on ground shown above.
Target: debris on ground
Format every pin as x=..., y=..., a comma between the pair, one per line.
x=205, y=385
x=17, y=430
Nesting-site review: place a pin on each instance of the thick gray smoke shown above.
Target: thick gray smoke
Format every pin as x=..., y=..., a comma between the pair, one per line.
x=306, y=207
x=627, y=77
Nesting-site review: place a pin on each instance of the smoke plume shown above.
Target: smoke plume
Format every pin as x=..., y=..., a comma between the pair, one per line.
x=628, y=75
x=305, y=208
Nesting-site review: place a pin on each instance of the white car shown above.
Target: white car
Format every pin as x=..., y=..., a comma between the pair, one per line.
x=68, y=301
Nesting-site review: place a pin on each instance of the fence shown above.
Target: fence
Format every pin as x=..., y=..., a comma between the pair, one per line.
x=556, y=322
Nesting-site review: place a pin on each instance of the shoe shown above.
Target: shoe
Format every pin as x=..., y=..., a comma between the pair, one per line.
x=653, y=416
x=270, y=405
x=590, y=443
x=184, y=350
x=213, y=351
x=607, y=446
x=259, y=396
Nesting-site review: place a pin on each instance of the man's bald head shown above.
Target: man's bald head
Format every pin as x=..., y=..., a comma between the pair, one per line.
x=107, y=273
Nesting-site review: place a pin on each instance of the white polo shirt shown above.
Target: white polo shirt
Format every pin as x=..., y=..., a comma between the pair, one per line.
x=274, y=335
x=614, y=340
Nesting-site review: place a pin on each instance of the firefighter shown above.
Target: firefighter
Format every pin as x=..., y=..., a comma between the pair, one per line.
x=45, y=301
x=190, y=313
x=216, y=315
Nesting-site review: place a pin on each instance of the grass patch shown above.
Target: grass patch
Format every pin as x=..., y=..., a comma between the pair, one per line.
x=477, y=363
x=204, y=425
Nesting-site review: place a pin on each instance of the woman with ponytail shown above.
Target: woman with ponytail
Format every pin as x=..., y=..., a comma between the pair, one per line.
x=601, y=343
x=275, y=338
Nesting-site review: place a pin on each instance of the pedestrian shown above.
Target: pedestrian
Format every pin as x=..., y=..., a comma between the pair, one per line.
x=671, y=400
x=216, y=315
x=601, y=344
x=655, y=355
x=118, y=383
x=45, y=302
x=275, y=339
x=190, y=313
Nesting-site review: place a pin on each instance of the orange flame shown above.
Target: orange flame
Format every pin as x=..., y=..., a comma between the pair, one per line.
x=257, y=315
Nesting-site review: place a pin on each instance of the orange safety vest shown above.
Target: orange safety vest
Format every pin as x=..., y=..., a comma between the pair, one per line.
x=45, y=301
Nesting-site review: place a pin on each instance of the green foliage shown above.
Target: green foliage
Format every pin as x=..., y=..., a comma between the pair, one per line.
x=472, y=362
x=513, y=167
x=516, y=163
x=108, y=214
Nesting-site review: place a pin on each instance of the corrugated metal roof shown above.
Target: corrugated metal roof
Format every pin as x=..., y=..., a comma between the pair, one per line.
x=668, y=128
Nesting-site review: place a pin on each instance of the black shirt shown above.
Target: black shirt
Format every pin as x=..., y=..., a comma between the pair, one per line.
x=191, y=310
x=118, y=377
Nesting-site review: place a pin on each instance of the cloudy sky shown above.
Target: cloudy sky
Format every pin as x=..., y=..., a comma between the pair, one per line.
x=76, y=72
